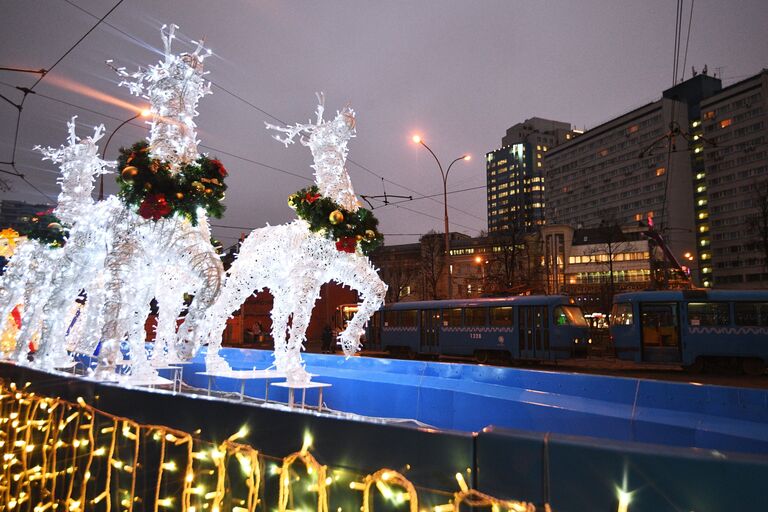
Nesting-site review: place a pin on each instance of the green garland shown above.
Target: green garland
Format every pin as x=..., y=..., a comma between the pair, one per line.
x=148, y=183
x=44, y=227
x=350, y=230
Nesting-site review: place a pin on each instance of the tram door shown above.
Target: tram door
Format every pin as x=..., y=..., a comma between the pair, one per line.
x=660, y=332
x=430, y=331
x=533, y=332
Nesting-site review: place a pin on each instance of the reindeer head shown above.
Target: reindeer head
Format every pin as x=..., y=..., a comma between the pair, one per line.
x=327, y=140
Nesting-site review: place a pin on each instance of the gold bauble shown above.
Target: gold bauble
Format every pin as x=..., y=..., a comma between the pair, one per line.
x=198, y=186
x=336, y=217
x=370, y=234
x=208, y=191
x=358, y=237
x=147, y=186
x=54, y=225
x=129, y=172
x=179, y=195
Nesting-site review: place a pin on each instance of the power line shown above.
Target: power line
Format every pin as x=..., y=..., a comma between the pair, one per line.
x=276, y=118
x=217, y=150
x=688, y=38
x=30, y=90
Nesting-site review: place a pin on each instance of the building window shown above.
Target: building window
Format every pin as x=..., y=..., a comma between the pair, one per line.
x=725, y=123
x=710, y=115
x=633, y=128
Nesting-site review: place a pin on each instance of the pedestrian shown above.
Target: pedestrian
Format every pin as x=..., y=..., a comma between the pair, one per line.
x=327, y=339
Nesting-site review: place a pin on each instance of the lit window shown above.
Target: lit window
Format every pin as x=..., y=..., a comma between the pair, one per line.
x=649, y=215
x=725, y=123
x=701, y=188
x=710, y=115
x=695, y=124
x=661, y=171
x=703, y=228
x=639, y=216
x=698, y=149
x=538, y=164
x=703, y=215
x=567, y=136
x=633, y=128
x=603, y=152
x=700, y=176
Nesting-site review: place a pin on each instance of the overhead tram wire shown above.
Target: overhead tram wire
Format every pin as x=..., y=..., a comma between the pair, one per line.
x=216, y=150
x=274, y=117
x=688, y=38
x=31, y=90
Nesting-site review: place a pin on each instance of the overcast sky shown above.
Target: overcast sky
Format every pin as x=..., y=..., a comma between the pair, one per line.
x=457, y=72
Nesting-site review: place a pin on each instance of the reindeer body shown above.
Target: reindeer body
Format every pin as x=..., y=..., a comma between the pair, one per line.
x=294, y=262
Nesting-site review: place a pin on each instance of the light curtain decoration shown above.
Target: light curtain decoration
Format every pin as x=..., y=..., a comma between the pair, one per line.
x=71, y=456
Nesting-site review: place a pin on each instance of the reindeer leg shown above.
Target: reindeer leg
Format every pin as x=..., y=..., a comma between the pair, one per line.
x=281, y=311
x=301, y=317
x=357, y=272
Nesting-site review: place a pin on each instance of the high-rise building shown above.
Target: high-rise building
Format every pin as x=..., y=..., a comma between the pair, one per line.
x=734, y=130
x=641, y=167
x=515, y=175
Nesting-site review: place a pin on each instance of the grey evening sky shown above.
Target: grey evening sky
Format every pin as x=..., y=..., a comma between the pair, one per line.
x=457, y=72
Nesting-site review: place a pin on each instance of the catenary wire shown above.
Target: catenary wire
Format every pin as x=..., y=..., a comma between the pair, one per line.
x=276, y=118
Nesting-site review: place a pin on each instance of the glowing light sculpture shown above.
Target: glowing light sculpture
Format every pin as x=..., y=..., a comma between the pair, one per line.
x=294, y=262
x=121, y=259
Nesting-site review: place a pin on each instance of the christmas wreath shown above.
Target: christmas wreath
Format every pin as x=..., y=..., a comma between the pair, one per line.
x=350, y=230
x=148, y=183
x=44, y=227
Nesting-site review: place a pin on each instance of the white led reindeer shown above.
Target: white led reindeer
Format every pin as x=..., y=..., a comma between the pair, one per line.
x=294, y=262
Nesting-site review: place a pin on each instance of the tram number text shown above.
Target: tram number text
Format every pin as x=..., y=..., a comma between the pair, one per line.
x=475, y=336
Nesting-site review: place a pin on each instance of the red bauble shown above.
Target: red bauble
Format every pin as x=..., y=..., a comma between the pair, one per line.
x=154, y=207
x=311, y=198
x=219, y=167
x=346, y=244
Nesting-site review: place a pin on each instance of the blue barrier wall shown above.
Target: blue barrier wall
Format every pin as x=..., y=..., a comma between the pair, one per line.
x=471, y=397
x=571, y=472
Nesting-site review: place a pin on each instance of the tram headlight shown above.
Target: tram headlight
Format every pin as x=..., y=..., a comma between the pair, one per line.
x=589, y=341
x=576, y=341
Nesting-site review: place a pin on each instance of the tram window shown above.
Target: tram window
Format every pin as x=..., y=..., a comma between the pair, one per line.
x=570, y=315
x=390, y=319
x=708, y=313
x=621, y=314
x=452, y=317
x=501, y=316
x=408, y=318
x=751, y=313
x=474, y=317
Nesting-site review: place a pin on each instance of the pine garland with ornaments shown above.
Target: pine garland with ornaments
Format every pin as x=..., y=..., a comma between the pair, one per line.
x=350, y=230
x=149, y=184
x=44, y=227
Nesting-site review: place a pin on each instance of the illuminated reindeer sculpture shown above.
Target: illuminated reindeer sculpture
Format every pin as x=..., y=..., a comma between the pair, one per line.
x=294, y=262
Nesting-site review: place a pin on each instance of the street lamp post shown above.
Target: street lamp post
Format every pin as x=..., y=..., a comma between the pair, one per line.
x=143, y=113
x=418, y=140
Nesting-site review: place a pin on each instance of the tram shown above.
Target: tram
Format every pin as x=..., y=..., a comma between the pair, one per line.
x=695, y=328
x=510, y=328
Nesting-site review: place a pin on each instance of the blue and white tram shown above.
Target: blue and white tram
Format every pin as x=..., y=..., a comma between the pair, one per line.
x=695, y=328
x=523, y=327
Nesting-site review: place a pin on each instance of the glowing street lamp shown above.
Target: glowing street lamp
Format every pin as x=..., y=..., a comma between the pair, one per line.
x=143, y=113
x=418, y=140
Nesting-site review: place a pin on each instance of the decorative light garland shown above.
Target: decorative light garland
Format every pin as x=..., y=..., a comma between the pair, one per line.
x=56, y=453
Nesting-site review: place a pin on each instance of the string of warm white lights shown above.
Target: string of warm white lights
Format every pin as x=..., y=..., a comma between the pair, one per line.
x=59, y=455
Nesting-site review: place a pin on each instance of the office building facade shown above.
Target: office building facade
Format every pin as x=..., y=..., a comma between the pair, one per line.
x=734, y=128
x=515, y=175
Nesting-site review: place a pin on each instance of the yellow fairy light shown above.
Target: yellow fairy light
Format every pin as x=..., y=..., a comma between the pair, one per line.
x=462, y=483
x=169, y=466
x=239, y=434
x=165, y=502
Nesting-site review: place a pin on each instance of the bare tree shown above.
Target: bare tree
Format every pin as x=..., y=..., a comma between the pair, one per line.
x=432, y=263
x=401, y=279
x=506, y=264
